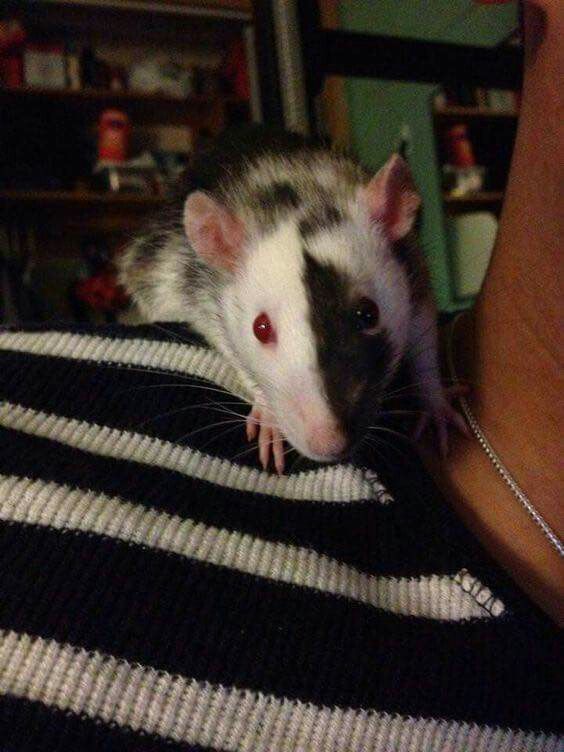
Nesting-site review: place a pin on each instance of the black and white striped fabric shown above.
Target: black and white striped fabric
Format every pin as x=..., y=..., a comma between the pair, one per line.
x=158, y=590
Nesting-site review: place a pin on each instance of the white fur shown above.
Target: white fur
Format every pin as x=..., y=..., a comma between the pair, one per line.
x=271, y=281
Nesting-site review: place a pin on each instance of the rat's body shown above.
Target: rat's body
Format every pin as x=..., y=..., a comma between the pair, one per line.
x=305, y=273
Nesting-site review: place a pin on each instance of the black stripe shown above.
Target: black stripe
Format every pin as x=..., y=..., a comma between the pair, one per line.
x=397, y=539
x=354, y=366
x=27, y=726
x=229, y=628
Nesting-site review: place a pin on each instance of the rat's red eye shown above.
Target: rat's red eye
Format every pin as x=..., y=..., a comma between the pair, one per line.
x=366, y=315
x=263, y=329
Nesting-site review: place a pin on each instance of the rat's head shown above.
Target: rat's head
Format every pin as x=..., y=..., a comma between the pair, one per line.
x=317, y=310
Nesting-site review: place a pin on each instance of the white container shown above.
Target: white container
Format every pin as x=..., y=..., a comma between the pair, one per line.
x=471, y=241
x=44, y=66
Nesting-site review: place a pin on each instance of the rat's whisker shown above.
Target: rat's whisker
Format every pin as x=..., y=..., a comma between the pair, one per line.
x=389, y=430
x=403, y=412
x=218, y=436
x=170, y=333
x=253, y=448
x=211, y=406
x=191, y=434
x=379, y=442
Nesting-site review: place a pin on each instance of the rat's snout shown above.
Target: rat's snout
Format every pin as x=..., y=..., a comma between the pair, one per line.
x=312, y=427
x=326, y=441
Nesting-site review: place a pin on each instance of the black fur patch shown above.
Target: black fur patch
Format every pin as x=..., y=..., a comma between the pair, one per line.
x=279, y=195
x=318, y=220
x=353, y=365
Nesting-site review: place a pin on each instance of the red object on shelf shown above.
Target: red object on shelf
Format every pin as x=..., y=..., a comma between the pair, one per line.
x=235, y=71
x=102, y=292
x=113, y=136
x=12, y=38
x=12, y=34
x=12, y=71
x=459, y=146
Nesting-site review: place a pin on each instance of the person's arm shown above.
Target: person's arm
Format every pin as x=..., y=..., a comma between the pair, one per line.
x=510, y=346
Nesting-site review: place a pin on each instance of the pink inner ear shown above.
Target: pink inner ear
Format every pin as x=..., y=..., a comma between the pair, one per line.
x=392, y=198
x=215, y=233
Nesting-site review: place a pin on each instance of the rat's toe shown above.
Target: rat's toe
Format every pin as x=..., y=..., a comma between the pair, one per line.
x=265, y=445
x=253, y=422
x=278, y=451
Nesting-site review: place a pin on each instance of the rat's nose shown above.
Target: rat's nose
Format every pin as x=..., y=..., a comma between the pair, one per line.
x=327, y=441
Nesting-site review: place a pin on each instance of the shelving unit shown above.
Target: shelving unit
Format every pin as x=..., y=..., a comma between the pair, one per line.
x=49, y=220
x=194, y=25
x=492, y=133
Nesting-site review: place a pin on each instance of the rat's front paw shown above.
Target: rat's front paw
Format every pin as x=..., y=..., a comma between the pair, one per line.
x=259, y=421
x=443, y=416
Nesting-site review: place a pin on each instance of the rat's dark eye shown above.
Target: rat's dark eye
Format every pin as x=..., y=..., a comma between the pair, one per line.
x=263, y=329
x=366, y=315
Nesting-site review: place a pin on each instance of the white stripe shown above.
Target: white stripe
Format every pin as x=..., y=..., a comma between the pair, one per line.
x=227, y=718
x=334, y=483
x=176, y=357
x=56, y=506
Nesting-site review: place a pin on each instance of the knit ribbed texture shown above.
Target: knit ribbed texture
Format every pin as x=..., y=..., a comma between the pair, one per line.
x=159, y=590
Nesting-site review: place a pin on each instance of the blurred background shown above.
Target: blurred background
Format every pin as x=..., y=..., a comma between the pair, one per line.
x=102, y=102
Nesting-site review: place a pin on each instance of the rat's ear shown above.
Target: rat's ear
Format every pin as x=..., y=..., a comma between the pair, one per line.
x=214, y=232
x=392, y=199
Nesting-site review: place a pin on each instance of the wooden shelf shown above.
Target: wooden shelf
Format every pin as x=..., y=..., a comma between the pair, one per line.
x=68, y=199
x=153, y=108
x=65, y=215
x=220, y=10
x=483, y=199
x=471, y=113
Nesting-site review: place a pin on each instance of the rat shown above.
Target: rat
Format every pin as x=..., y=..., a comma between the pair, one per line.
x=303, y=269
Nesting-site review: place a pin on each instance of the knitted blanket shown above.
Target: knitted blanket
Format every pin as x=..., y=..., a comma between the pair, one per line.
x=159, y=590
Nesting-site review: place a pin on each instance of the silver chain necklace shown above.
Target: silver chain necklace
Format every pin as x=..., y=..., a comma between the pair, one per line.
x=517, y=491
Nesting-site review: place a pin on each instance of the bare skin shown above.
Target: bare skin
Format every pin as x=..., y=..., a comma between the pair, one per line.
x=509, y=347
